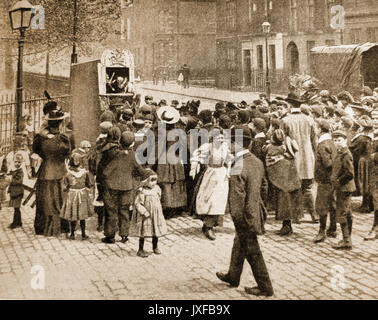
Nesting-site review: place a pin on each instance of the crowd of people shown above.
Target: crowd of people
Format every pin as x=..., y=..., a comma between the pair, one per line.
x=299, y=154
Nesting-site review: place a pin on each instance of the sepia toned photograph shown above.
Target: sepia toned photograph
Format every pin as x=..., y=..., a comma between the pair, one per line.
x=188, y=153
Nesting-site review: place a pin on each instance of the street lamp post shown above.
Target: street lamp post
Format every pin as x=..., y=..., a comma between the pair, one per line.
x=20, y=18
x=266, y=30
x=74, y=54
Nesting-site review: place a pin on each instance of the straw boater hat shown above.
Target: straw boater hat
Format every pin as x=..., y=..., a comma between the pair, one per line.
x=168, y=115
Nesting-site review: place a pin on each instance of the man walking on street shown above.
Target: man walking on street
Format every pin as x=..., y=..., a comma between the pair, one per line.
x=247, y=213
x=186, y=74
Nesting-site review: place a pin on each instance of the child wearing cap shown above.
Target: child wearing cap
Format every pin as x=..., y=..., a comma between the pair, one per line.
x=78, y=201
x=342, y=180
x=16, y=191
x=325, y=198
x=148, y=219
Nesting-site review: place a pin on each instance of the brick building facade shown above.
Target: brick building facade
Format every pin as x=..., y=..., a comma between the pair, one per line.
x=168, y=33
x=361, y=21
x=296, y=27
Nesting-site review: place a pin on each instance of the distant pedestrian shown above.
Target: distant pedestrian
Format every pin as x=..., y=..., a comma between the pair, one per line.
x=148, y=219
x=186, y=75
x=78, y=204
x=180, y=79
x=16, y=191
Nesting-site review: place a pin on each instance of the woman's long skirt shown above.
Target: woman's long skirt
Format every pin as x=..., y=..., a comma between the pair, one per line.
x=289, y=205
x=49, y=202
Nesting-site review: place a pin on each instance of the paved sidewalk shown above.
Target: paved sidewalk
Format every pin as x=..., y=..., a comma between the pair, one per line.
x=76, y=269
x=202, y=93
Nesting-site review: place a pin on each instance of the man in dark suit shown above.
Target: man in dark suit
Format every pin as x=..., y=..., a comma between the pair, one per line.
x=186, y=73
x=245, y=205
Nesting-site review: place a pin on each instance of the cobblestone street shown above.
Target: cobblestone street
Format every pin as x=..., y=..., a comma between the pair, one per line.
x=76, y=269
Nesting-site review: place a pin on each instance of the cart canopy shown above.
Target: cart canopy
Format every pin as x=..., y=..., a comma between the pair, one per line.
x=345, y=67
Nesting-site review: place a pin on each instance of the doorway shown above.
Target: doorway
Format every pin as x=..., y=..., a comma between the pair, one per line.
x=292, y=55
x=247, y=66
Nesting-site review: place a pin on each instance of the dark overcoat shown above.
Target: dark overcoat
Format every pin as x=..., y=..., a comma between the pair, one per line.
x=342, y=176
x=245, y=203
x=325, y=153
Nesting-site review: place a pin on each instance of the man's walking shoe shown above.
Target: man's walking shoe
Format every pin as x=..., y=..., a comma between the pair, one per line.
x=346, y=243
x=124, y=239
x=257, y=292
x=100, y=228
x=226, y=278
x=285, y=231
x=108, y=240
x=211, y=234
x=342, y=245
x=72, y=237
x=314, y=219
x=142, y=254
x=320, y=237
x=14, y=226
x=372, y=235
x=84, y=237
x=331, y=234
x=157, y=251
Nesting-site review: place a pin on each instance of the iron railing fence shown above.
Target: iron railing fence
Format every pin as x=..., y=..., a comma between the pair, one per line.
x=32, y=107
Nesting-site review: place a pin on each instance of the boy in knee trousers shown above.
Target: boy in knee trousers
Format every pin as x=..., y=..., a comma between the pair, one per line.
x=325, y=199
x=119, y=189
x=342, y=179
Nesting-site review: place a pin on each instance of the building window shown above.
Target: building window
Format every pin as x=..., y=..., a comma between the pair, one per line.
x=311, y=14
x=272, y=56
x=372, y=34
x=293, y=13
x=252, y=9
x=355, y=36
x=260, y=58
x=231, y=58
x=230, y=14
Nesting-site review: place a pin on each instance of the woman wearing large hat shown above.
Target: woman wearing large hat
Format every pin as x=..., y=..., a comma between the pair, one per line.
x=171, y=177
x=54, y=149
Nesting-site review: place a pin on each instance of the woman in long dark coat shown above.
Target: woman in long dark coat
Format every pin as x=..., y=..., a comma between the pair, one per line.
x=283, y=175
x=171, y=176
x=54, y=148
